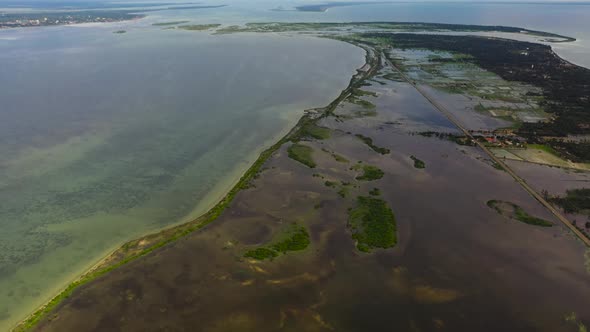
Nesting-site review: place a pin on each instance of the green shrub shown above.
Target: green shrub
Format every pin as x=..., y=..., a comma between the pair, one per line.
x=370, y=173
x=369, y=142
x=418, y=163
x=301, y=153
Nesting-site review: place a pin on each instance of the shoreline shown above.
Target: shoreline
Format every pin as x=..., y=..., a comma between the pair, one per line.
x=133, y=249
x=120, y=255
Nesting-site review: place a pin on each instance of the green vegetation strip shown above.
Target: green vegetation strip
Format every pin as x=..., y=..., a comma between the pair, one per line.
x=418, y=163
x=199, y=27
x=162, y=24
x=514, y=211
x=370, y=173
x=301, y=153
x=297, y=238
x=372, y=224
x=369, y=142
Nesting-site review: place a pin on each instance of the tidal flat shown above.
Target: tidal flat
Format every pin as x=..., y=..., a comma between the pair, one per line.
x=98, y=149
x=456, y=264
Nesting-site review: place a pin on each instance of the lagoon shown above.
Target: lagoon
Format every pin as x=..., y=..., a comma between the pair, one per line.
x=106, y=137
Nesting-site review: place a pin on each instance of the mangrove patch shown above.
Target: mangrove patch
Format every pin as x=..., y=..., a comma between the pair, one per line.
x=372, y=224
x=513, y=211
x=296, y=238
x=369, y=142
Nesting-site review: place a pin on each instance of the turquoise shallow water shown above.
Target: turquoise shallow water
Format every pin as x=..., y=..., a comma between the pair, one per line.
x=106, y=137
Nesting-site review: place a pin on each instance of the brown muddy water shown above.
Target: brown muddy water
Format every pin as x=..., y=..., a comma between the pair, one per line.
x=458, y=265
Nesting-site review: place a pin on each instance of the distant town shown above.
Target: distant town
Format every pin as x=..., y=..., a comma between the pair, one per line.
x=88, y=14
x=64, y=18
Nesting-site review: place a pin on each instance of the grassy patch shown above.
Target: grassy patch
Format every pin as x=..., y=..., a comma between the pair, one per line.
x=372, y=224
x=370, y=173
x=315, y=131
x=369, y=142
x=418, y=163
x=295, y=239
x=301, y=153
x=543, y=147
x=330, y=184
x=513, y=211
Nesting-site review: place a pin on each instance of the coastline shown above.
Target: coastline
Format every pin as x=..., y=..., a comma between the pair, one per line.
x=131, y=250
x=136, y=248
